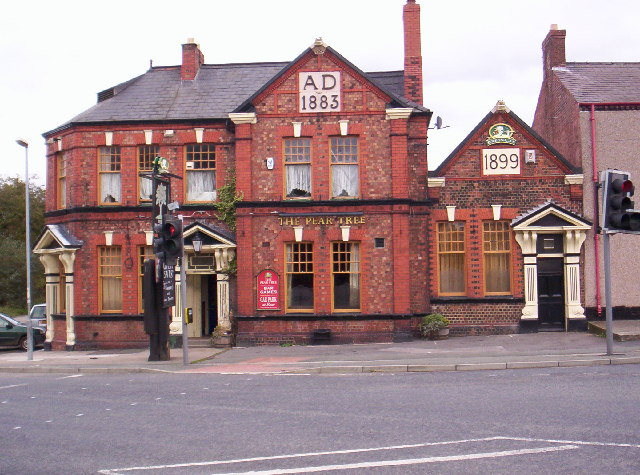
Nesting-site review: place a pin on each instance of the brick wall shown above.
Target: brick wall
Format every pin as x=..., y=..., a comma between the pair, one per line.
x=343, y=330
x=480, y=318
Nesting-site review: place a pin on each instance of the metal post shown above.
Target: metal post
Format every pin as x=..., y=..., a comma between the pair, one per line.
x=607, y=292
x=25, y=144
x=183, y=299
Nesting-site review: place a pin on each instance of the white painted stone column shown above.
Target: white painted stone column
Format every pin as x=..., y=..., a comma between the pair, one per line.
x=68, y=258
x=528, y=241
x=573, y=240
x=51, y=265
x=223, y=257
x=175, y=327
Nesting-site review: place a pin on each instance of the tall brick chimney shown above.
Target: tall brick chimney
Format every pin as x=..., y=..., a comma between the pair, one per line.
x=412, y=52
x=553, y=52
x=192, y=59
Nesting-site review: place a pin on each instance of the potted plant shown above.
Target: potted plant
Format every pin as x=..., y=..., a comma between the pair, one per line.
x=434, y=326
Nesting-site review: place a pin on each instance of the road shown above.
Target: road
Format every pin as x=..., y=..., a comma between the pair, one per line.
x=561, y=420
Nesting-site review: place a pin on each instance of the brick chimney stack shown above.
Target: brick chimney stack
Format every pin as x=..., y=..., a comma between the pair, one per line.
x=192, y=59
x=412, y=52
x=553, y=50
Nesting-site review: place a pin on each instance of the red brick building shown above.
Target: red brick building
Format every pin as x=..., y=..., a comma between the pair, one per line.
x=506, y=232
x=330, y=161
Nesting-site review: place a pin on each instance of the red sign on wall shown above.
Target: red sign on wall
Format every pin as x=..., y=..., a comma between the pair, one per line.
x=268, y=290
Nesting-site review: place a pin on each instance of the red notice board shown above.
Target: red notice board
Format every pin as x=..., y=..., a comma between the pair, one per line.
x=268, y=290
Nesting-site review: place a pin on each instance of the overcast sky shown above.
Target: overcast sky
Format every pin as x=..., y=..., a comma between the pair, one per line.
x=56, y=55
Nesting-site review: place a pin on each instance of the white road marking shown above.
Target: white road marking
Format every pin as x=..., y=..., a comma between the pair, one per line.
x=289, y=456
x=13, y=386
x=566, y=445
x=576, y=442
x=71, y=376
x=391, y=463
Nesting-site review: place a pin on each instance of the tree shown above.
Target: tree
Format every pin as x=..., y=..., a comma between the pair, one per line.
x=13, y=275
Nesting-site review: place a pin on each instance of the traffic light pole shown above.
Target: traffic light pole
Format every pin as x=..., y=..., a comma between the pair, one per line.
x=607, y=292
x=183, y=300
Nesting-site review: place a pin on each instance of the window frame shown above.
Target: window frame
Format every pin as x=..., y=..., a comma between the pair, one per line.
x=507, y=252
x=333, y=264
x=189, y=153
x=287, y=273
x=333, y=164
x=144, y=163
x=113, y=151
x=116, y=264
x=440, y=253
x=308, y=144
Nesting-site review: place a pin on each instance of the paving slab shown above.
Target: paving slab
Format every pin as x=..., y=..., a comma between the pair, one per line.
x=534, y=350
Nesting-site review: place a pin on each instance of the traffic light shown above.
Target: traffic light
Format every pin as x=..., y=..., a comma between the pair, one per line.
x=617, y=208
x=158, y=241
x=168, y=239
x=172, y=232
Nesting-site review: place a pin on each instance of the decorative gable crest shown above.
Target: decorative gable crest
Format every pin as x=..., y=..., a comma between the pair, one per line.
x=501, y=133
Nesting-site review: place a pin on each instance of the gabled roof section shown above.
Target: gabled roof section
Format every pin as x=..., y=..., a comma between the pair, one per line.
x=550, y=214
x=56, y=236
x=159, y=95
x=445, y=164
x=211, y=235
x=390, y=83
x=601, y=82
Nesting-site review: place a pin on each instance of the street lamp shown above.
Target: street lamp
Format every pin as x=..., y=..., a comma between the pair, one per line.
x=197, y=242
x=25, y=144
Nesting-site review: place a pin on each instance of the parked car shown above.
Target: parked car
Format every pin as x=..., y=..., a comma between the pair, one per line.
x=14, y=333
x=39, y=315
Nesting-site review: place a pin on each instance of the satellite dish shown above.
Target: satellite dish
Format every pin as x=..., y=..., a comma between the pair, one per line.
x=439, y=124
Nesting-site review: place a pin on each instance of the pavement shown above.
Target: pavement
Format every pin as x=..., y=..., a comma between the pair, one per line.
x=495, y=352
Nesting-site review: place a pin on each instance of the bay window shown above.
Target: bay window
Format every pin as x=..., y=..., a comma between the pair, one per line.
x=451, y=258
x=201, y=172
x=110, y=279
x=345, y=274
x=297, y=167
x=109, y=174
x=299, y=276
x=496, y=247
x=146, y=155
x=344, y=167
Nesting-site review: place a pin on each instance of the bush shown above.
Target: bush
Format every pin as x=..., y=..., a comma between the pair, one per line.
x=432, y=323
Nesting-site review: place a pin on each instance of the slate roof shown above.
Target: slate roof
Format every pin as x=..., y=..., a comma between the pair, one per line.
x=543, y=207
x=601, y=82
x=218, y=89
x=62, y=235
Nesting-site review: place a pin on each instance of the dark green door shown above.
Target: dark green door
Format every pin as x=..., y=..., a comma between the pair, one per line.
x=551, y=293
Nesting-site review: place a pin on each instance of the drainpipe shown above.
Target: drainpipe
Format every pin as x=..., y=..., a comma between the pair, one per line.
x=594, y=166
x=596, y=208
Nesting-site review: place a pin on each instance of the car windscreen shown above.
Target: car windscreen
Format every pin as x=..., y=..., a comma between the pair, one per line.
x=38, y=312
x=11, y=320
